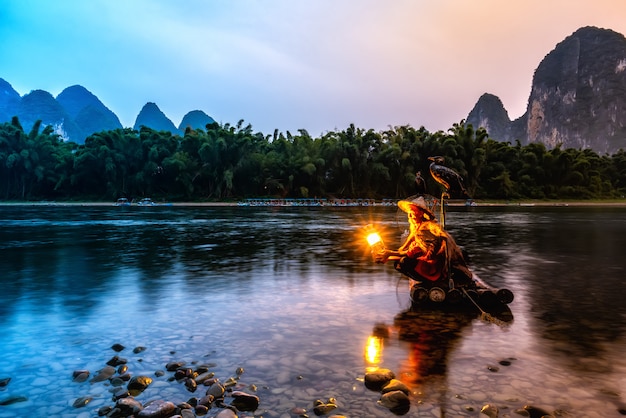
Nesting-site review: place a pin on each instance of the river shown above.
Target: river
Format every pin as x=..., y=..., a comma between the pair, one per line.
x=291, y=296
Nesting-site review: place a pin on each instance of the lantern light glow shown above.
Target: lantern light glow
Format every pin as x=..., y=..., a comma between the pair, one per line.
x=373, y=238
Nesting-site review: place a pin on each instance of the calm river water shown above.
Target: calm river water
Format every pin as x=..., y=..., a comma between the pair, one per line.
x=291, y=296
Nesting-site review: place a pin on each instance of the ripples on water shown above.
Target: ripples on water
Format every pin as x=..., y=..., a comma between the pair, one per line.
x=291, y=295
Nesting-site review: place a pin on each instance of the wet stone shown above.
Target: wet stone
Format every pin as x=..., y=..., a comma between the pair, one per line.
x=534, y=412
x=321, y=408
x=79, y=376
x=139, y=349
x=226, y=413
x=13, y=399
x=204, y=376
x=397, y=402
x=128, y=406
x=490, y=410
x=182, y=373
x=174, y=365
x=216, y=390
x=103, y=374
x=117, y=347
x=157, y=409
x=82, y=401
x=5, y=381
x=395, y=384
x=201, y=368
x=105, y=410
x=201, y=409
x=185, y=405
x=209, y=381
x=377, y=379
x=116, y=361
x=244, y=401
x=138, y=384
x=119, y=393
x=191, y=385
x=125, y=377
x=206, y=400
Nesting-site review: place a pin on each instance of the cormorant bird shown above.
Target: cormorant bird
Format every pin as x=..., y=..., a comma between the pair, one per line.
x=448, y=178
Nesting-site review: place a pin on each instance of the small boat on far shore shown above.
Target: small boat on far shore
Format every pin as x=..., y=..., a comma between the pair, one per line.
x=146, y=201
x=122, y=201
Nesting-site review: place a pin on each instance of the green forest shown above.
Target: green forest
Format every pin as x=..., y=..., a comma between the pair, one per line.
x=230, y=162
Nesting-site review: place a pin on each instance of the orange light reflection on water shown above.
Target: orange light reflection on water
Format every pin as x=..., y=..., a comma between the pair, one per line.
x=373, y=351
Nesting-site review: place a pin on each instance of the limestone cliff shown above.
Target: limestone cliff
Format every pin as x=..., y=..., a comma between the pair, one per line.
x=577, y=99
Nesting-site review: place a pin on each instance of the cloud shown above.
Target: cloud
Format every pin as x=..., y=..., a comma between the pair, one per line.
x=318, y=65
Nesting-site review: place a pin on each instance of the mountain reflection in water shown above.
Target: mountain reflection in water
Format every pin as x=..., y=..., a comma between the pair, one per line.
x=291, y=295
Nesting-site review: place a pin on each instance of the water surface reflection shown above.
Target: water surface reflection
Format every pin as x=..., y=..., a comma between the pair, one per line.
x=292, y=296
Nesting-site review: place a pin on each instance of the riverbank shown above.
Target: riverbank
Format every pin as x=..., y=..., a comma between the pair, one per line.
x=104, y=204
x=555, y=203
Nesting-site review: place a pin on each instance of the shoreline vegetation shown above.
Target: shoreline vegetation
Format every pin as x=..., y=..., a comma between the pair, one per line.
x=225, y=163
x=453, y=203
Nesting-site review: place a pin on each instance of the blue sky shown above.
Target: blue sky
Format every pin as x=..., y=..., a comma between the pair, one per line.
x=317, y=65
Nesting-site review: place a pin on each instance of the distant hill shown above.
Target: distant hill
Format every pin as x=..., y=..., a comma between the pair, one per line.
x=87, y=111
x=577, y=98
x=152, y=117
x=9, y=101
x=196, y=119
x=40, y=105
x=76, y=113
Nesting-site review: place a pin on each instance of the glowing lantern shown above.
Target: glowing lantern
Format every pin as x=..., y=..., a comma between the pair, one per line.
x=375, y=241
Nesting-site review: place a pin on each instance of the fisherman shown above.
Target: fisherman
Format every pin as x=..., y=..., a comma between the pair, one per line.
x=429, y=254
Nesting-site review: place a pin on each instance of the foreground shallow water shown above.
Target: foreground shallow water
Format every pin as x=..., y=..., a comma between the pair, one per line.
x=291, y=296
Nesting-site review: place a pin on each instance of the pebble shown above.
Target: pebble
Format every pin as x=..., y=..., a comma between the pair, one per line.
x=117, y=347
x=103, y=374
x=216, y=390
x=80, y=376
x=157, y=409
x=375, y=380
x=302, y=381
x=395, y=384
x=138, y=384
x=490, y=410
x=244, y=401
x=82, y=401
x=13, y=399
x=226, y=413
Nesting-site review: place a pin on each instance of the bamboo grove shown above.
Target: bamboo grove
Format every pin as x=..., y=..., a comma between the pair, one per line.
x=225, y=162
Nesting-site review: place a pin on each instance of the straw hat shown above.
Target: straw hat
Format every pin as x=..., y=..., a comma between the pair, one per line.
x=415, y=205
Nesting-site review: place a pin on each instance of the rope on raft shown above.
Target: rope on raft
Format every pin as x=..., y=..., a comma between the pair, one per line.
x=485, y=316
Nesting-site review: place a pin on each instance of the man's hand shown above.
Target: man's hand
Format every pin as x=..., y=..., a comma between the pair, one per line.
x=381, y=257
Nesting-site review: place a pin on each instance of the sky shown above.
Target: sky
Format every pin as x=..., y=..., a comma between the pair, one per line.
x=317, y=65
